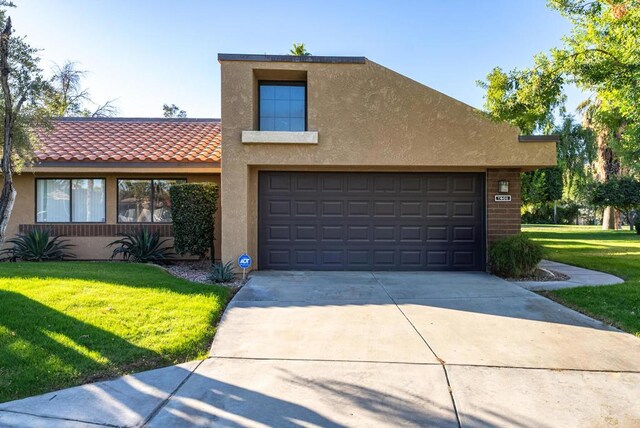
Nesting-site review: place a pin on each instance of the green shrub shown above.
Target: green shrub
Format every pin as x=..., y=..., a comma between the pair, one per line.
x=141, y=246
x=193, y=206
x=222, y=272
x=37, y=245
x=514, y=256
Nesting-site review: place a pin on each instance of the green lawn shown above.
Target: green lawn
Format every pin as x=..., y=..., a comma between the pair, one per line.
x=67, y=323
x=616, y=252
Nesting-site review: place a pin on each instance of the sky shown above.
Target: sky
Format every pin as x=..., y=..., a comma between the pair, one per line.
x=145, y=53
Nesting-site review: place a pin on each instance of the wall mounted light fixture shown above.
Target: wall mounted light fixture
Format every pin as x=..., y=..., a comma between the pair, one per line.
x=503, y=186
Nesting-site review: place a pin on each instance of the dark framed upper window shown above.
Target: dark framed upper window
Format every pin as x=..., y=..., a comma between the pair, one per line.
x=145, y=200
x=76, y=200
x=283, y=106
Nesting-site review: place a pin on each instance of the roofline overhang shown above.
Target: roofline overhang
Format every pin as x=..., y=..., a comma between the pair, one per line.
x=292, y=58
x=538, y=138
x=125, y=167
x=137, y=119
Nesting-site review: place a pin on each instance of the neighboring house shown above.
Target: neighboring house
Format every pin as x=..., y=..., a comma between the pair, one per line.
x=330, y=163
x=97, y=177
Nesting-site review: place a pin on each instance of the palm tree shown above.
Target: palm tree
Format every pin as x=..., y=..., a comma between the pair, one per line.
x=299, y=50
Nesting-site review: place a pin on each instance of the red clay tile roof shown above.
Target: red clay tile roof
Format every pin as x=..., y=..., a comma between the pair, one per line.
x=131, y=140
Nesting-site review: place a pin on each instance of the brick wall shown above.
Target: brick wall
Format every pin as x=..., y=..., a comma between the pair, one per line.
x=77, y=229
x=503, y=218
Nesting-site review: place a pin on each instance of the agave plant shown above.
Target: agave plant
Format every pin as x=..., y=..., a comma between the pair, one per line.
x=141, y=246
x=37, y=245
x=222, y=272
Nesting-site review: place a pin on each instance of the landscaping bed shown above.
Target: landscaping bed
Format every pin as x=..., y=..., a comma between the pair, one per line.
x=68, y=323
x=542, y=275
x=614, y=252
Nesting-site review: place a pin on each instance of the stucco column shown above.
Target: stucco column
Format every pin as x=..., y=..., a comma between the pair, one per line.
x=235, y=207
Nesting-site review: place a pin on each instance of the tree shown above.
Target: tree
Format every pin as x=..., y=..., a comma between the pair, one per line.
x=576, y=152
x=23, y=87
x=621, y=193
x=65, y=95
x=525, y=98
x=299, y=49
x=542, y=186
x=173, y=111
x=601, y=56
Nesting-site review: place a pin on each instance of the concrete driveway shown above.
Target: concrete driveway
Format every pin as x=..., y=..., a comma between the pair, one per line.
x=429, y=349
x=373, y=349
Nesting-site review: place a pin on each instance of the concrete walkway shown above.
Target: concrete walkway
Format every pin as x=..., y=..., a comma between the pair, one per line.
x=375, y=349
x=578, y=277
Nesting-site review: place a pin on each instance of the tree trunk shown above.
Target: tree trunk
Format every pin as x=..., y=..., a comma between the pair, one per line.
x=7, y=199
x=8, y=195
x=606, y=166
x=608, y=219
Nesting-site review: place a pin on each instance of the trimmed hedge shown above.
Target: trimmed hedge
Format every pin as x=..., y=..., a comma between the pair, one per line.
x=514, y=256
x=193, y=206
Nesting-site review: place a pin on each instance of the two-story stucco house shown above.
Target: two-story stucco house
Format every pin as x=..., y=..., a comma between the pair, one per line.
x=329, y=163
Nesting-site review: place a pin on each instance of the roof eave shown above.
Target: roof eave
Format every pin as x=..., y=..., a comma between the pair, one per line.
x=128, y=167
x=292, y=58
x=538, y=138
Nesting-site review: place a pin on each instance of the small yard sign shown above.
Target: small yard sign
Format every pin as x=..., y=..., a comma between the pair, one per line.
x=244, y=261
x=503, y=198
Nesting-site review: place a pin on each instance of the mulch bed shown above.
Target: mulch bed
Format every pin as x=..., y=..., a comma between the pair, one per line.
x=197, y=271
x=543, y=275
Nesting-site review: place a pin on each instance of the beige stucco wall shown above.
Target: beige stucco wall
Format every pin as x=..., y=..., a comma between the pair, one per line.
x=368, y=118
x=93, y=248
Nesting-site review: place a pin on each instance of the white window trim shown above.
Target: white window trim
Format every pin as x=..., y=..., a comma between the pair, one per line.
x=280, y=137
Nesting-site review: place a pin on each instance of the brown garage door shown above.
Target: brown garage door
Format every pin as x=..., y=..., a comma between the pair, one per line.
x=371, y=221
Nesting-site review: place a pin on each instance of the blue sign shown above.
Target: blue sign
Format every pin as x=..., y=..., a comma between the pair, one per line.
x=244, y=261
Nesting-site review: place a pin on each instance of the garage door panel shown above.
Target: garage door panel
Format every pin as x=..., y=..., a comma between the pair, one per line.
x=437, y=234
x=464, y=209
x=332, y=183
x=278, y=183
x=306, y=208
x=360, y=221
x=464, y=233
x=305, y=184
x=306, y=233
x=359, y=258
x=358, y=233
x=358, y=184
x=384, y=209
x=438, y=259
x=279, y=233
x=278, y=208
x=463, y=258
x=278, y=257
x=384, y=233
x=412, y=258
x=332, y=258
x=412, y=184
x=332, y=233
x=437, y=209
x=358, y=208
x=464, y=185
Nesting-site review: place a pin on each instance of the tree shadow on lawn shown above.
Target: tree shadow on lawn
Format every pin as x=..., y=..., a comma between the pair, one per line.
x=116, y=273
x=593, y=235
x=44, y=349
